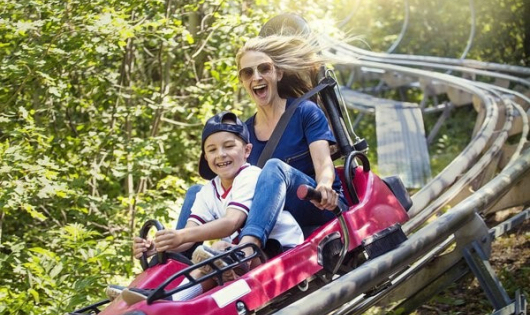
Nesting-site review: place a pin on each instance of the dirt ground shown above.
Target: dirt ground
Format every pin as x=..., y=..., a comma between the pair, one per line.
x=510, y=258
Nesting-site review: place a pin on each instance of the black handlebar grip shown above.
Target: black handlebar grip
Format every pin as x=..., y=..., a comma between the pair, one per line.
x=305, y=192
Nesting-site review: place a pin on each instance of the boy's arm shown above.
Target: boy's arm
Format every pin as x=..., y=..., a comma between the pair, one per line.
x=180, y=240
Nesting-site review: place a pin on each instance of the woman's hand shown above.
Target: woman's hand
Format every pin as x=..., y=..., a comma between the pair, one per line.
x=141, y=246
x=330, y=198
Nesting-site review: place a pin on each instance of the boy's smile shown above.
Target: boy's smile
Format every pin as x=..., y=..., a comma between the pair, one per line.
x=225, y=153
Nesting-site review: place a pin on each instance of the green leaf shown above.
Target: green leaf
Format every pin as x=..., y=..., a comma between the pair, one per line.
x=34, y=213
x=44, y=252
x=56, y=270
x=35, y=295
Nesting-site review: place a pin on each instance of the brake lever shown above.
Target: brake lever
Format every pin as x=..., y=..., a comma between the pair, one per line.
x=306, y=192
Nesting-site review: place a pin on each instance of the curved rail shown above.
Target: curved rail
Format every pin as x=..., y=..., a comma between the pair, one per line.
x=361, y=54
x=404, y=28
x=471, y=31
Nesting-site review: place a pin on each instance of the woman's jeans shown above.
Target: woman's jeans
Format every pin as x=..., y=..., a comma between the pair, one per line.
x=185, y=211
x=275, y=191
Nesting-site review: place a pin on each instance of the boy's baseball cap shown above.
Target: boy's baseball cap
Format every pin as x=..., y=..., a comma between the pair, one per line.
x=215, y=124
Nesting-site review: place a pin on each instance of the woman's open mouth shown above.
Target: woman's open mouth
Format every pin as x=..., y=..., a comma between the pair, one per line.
x=260, y=90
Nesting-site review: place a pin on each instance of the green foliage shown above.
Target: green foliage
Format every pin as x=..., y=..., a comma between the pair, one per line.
x=102, y=108
x=54, y=281
x=443, y=28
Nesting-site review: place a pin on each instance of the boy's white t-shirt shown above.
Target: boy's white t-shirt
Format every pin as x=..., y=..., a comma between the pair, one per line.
x=212, y=201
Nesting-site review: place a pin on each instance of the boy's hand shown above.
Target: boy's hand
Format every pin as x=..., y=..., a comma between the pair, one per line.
x=140, y=246
x=168, y=240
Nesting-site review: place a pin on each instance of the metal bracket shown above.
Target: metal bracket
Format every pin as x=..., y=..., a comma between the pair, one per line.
x=518, y=307
x=479, y=264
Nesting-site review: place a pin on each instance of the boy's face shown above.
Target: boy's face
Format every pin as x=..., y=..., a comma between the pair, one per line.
x=226, y=153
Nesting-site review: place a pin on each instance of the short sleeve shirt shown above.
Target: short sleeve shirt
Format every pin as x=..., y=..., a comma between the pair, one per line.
x=212, y=201
x=307, y=125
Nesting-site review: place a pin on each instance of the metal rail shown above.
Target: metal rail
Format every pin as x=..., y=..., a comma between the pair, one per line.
x=359, y=53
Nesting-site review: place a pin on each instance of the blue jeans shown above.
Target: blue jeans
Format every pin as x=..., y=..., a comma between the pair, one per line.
x=275, y=191
x=185, y=211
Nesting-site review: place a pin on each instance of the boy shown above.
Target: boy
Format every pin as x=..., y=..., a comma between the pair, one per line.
x=221, y=207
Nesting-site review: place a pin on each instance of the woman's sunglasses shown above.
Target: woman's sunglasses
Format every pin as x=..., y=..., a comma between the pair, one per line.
x=246, y=74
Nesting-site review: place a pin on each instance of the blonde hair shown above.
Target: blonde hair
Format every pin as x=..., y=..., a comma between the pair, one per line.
x=297, y=56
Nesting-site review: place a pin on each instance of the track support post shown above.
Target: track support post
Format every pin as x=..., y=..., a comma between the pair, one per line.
x=479, y=264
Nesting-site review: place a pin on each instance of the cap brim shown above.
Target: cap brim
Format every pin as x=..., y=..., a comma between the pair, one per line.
x=204, y=169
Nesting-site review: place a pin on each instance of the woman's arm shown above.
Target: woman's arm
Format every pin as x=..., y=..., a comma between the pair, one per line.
x=324, y=174
x=180, y=240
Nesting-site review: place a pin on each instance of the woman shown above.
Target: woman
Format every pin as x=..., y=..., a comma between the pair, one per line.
x=275, y=70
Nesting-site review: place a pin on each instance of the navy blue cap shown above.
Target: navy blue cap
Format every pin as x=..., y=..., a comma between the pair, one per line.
x=215, y=124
